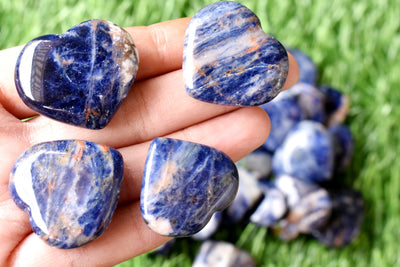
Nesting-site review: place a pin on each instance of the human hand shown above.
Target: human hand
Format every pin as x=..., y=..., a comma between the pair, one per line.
x=156, y=106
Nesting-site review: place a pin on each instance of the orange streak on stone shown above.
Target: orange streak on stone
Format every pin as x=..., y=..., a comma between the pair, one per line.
x=78, y=156
x=255, y=47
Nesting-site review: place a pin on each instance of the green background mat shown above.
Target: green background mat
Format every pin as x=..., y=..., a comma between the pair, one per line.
x=356, y=46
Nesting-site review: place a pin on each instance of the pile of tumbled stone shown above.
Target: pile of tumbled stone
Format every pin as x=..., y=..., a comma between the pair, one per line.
x=292, y=183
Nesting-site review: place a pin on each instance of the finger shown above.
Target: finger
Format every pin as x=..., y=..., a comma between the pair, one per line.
x=293, y=73
x=236, y=133
x=8, y=93
x=126, y=237
x=155, y=107
x=13, y=142
x=160, y=47
x=14, y=222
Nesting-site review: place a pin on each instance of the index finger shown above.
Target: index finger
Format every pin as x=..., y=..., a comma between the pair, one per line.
x=160, y=47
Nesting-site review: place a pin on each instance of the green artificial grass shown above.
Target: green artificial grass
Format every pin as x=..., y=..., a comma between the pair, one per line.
x=356, y=46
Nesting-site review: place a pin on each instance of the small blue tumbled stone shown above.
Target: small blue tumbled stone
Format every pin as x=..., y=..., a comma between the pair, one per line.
x=307, y=153
x=211, y=227
x=343, y=145
x=310, y=99
x=258, y=162
x=229, y=60
x=309, y=207
x=219, y=253
x=183, y=184
x=272, y=207
x=249, y=193
x=336, y=105
x=308, y=71
x=70, y=189
x=346, y=219
x=79, y=77
x=284, y=113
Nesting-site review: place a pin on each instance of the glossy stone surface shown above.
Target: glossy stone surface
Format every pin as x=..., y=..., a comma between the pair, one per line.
x=284, y=113
x=248, y=195
x=308, y=71
x=346, y=220
x=343, y=144
x=219, y=253
x=336, y=105
x=79, y=77
x=307, y=153
x=229, y=60
x=311, y=101
x=258, y=163
x=309, y=206
x=183, y=184
x=69, y=188
x=272, y=207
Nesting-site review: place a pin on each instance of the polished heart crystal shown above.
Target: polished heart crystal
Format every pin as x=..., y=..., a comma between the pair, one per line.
x=79, y=77
x=184, y=183
x=346, y=220
x=218, y=253
x=69, y=188
x=229, y=60
x=307, y=153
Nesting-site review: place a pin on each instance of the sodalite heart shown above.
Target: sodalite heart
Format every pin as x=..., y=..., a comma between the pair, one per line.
x=183, y=184
x=79, y=77
x=69, y=188
x=229, y=60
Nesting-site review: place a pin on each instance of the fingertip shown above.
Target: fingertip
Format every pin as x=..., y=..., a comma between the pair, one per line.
x=256, y=131
x=293, y=74
x=160, y=46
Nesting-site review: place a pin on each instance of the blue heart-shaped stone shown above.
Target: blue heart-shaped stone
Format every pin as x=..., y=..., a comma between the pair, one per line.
x=229, y=60
x=69, y=188
x=79, y=77
x=183, y=184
